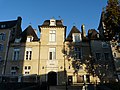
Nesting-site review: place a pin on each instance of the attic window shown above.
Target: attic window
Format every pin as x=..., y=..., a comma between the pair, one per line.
x=17, y=40
x=29, y=39
x=3, y=26
x=52, y=22
x=105, y=45
x=76, y=37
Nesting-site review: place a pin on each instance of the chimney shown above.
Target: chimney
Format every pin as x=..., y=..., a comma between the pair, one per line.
x=83, y=31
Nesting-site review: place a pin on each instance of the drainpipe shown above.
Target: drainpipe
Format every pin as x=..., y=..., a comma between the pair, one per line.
x=39, y=62
x=65, y=72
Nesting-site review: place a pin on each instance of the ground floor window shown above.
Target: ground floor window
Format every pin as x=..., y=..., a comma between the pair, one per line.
x=70, y=80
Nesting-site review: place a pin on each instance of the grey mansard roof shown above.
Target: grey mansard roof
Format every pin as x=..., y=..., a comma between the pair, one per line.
x=47, y=23
x=9, y=24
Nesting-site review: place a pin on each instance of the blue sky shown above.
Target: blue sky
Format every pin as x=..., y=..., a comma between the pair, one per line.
x=73, y=12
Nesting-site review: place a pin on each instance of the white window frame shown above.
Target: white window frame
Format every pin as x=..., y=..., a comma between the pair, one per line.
x=28, y=54
x=14, y=70
x=29, y=38
x=52, y=51
x=76, y=37
x=16, y=54
x=52, y=36
x=52, y=22
x=27, y=70
x=17, y=40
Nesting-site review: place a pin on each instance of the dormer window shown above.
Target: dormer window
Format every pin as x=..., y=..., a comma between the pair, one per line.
x=52, y=22
x=3, y=26
x=105, y=45
x=17, y=40
x=76, y=37
x=29, y=39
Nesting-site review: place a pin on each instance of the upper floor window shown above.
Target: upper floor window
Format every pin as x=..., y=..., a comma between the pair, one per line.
x=1, y=47
x=27, y=69
x=52, y=54
x=16, y=54
x=77, y=53
x=98, y=56
x=106, y=56
x=29, y=39
x=0, y=58
x=2, y=36
x=14, y=70
x=52, y=36
x=28, y=53
x=76, y=37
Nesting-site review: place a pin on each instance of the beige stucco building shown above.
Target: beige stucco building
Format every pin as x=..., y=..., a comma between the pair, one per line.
x=54, y=58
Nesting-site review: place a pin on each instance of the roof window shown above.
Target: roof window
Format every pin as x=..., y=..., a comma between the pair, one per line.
x=52, y=22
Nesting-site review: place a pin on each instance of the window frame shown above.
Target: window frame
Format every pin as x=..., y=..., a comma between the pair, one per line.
x=27, y=69
x=1, y=47
x=52, y=36
x=16, y=54
x=78, y=35
x=2, y=36
x=97, y=55
x=52, y=53
x=106, y=57
x=28, y=54
x=77, y=51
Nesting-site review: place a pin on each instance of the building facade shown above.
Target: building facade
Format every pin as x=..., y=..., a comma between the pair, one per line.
x=114, y=43
x=54, y=58
x=8, y=31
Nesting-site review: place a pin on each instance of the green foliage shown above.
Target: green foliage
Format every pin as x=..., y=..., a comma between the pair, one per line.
x=112, y=18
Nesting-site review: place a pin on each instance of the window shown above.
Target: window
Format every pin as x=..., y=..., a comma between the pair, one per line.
x=27, y=69
x=27, y=72
x=1, y=47
x=29, y=39
x=0, y=58
x=76, y=37
x=98, y=56
x=52, y=22
x=105, y=45
x=106, y=56
x=52, y=36
x=14, y=70
x=16, y=54
x=2, y=36
x=17, y=40
x=77, y=53
x=114, y=54
x=3, y=26
x=52, y=54
x=28, y=53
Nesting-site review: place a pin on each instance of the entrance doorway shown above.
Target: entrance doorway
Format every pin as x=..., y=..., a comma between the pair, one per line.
x=52, y=78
